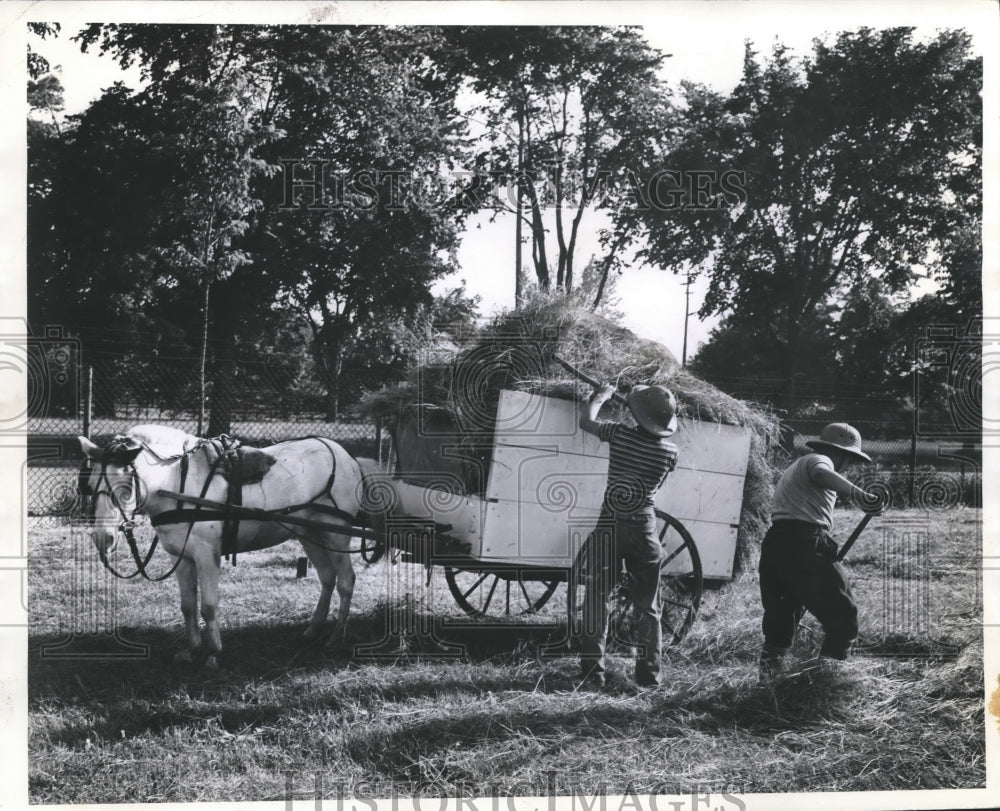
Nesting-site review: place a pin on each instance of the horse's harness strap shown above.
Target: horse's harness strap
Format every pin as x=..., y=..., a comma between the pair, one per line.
x=230, y=458
x=190, y=515
x=226, y=450
x=234, y=512
x=320, y=508
x=127, y=526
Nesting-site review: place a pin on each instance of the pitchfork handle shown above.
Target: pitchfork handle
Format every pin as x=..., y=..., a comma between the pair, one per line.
x=587, y=378
x=854, y=536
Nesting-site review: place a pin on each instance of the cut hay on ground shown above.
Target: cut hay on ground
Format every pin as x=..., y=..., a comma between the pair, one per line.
x=516, y=350
x=393, y=717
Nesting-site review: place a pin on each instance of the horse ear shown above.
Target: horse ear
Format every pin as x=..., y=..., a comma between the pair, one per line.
x=89, y=449
x=127, y=456
x=121, y=450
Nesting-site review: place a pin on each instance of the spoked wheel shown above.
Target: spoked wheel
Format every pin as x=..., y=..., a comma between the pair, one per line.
x=680, y=586
x=501, y=595
x=372, y=549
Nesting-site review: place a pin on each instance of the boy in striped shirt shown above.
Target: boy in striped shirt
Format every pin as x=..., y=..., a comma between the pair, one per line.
x=639, y=460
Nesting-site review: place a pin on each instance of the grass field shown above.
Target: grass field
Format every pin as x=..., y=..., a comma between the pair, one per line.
x=481, y=712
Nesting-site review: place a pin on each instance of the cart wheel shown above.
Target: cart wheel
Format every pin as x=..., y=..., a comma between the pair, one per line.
x=488, y=594
x=680, y=586
x=372, y=549
x=377, y=501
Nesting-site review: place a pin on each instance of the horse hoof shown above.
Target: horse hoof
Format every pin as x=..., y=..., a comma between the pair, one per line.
x=211, y=663
x=184, y=657
x=311, y=632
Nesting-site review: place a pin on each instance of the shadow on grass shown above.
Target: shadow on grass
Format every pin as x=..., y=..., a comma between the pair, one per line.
x=270, y=677
x=140, y=659
x=559, y=719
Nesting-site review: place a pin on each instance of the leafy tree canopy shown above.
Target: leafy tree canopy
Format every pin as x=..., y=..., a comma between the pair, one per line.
x=862, y=160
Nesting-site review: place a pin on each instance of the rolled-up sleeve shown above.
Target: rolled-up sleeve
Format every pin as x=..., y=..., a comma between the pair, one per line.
x=607, y=430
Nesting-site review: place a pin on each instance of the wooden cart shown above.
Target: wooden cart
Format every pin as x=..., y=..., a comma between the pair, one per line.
x=506, y=514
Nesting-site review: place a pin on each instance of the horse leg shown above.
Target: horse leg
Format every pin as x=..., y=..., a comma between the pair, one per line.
x=208, y=564
x=327, y=577
x=345, y=588
x=187, y=580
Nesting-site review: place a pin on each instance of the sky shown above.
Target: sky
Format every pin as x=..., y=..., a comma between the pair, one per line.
x=705, y=41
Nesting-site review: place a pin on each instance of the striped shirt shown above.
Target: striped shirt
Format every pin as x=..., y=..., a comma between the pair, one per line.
x=638, y=463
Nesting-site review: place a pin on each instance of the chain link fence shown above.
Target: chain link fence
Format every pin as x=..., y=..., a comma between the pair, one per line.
x=264, y=402
x=921, y=458
x=278, y=397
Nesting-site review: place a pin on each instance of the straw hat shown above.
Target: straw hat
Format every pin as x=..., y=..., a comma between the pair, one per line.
x=842, y=437
x=654, y=408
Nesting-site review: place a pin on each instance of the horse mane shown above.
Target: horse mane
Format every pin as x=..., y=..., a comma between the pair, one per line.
x=164, y=440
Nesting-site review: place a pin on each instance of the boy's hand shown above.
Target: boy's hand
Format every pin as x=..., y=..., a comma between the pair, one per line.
x=603, y=394
x=871, y=503
x=588, y=414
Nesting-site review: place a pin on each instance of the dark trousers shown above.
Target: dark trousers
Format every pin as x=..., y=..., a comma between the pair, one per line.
x=798, y=573
x=632, y=539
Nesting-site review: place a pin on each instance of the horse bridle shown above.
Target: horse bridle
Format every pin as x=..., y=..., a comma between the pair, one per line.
x=127, y=525
x=90, y=494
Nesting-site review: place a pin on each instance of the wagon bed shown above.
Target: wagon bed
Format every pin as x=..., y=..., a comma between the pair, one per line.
x=511, y=530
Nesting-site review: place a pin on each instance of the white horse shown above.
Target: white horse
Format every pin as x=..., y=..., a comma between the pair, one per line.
x=316, y=478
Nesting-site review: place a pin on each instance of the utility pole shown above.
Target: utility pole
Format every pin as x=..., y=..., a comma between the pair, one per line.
x=517, y=225
x=687, y=314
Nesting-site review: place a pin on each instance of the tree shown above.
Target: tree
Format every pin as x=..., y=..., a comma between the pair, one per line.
x=562, y=109
x=210, y=145
x=386, y=349
x=361, y=101
x=860, y=160
x=376, y=114
x=45, y=155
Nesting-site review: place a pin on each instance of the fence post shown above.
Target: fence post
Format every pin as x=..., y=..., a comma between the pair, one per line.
x=88, y=400
x=378, y=440
x=913, y=468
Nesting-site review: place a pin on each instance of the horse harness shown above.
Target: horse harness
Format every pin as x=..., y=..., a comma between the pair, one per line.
x=235, y=463
x=113, y=453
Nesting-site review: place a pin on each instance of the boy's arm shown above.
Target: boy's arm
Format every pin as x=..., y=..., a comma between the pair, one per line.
x=831, y=480
x=588, y=414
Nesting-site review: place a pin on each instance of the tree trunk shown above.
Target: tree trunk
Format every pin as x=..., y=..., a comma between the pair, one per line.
x=792, y=364
x=518, y=293
x=334, y=364
x=220, y=412
x=538, y=239
x=605, y=268
x=204, y=355
x=225, y=320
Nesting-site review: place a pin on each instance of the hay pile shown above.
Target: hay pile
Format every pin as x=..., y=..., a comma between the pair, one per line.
x=515, y=351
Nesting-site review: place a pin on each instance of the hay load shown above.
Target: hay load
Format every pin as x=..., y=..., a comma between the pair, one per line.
x=516, y=351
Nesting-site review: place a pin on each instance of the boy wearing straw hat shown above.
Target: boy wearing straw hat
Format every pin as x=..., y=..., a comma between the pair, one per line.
x=798, y=568
x=639, y=460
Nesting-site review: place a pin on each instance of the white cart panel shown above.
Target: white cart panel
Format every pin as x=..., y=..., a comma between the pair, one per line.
x=545, y=485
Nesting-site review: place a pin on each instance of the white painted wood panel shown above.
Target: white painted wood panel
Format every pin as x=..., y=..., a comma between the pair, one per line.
x=543, y=484
x=547, y=480
x=531, y=534
x=571, y=482
x=704, y=446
